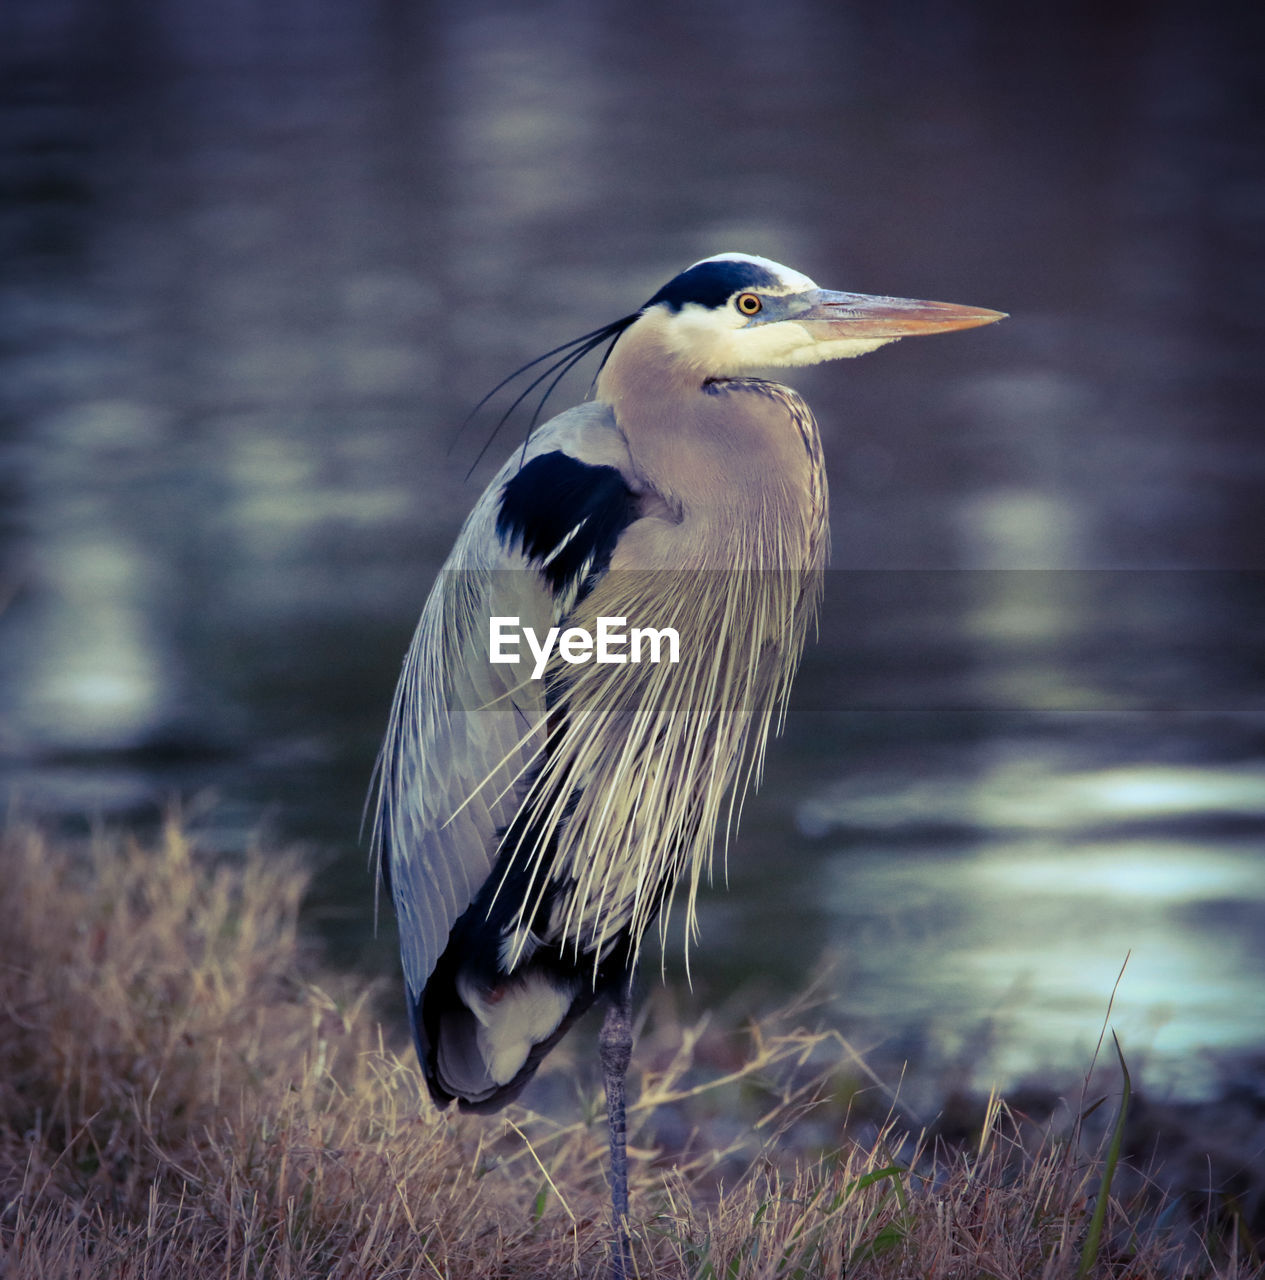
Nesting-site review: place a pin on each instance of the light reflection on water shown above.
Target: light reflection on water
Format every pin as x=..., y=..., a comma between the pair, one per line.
x=256, y=270
x=1030, y=924
x=1025, y=796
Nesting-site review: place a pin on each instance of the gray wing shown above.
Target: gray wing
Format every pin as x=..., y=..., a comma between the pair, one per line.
x=465, y=736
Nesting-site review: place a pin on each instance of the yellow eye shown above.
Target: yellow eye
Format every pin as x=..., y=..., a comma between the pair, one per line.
x=749, y=304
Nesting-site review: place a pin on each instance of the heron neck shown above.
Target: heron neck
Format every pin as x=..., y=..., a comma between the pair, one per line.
x=737, y=459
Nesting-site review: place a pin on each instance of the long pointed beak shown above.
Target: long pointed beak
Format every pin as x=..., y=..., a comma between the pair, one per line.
x=859, y=315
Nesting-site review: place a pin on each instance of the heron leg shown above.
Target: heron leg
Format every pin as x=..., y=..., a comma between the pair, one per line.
x=616, y=1052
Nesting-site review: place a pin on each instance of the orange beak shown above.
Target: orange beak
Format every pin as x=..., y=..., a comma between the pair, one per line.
x=859, y=315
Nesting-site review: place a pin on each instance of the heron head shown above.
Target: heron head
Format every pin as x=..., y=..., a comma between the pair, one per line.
x=734, y=313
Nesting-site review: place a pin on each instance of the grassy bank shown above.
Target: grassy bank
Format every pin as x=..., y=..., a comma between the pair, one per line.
x=183, y=1092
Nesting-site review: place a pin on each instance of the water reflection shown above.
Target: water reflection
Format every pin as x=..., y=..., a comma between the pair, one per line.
x=998, y=922
x=1026, y=794
x=259, y=261
x=101, y=669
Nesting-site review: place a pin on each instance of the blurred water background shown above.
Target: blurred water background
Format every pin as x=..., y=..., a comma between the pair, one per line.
x=257, y=261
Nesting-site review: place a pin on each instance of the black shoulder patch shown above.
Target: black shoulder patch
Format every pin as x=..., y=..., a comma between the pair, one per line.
x=712, y=284
x=567, y=515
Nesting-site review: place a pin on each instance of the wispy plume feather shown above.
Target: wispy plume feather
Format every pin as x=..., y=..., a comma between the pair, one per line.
x=647, y=762
x=568, y=354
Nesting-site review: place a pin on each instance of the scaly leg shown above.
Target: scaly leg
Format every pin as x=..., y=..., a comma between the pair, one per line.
x=616, y=1051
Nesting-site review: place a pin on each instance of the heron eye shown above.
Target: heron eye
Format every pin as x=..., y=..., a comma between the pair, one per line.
x=749, y=304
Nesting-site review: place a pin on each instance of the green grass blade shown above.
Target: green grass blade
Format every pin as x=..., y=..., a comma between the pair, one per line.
x=1093, y=1238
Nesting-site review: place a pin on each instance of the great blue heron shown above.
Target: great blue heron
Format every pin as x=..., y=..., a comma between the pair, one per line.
x=534, y=818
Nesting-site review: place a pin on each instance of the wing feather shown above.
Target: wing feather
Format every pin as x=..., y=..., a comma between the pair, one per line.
x=466, y=737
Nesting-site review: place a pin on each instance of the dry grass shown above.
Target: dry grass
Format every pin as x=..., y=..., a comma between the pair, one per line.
x=178, y=1099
